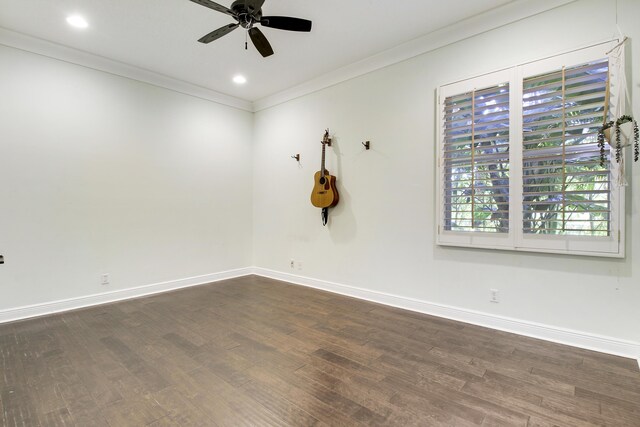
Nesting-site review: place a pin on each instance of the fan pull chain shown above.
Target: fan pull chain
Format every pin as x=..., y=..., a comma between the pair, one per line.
x=246, y=40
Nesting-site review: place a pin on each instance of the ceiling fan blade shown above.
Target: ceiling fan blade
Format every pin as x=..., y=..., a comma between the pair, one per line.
x=260, y=42
x=216, y=34
x=286, y=23
x=253, y=6
x=215, y=6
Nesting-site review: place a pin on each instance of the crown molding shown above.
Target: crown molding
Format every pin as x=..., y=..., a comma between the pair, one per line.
x=482, y=23
x=74, y=56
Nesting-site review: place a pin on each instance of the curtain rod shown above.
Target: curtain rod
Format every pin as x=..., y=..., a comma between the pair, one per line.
x=618, y=45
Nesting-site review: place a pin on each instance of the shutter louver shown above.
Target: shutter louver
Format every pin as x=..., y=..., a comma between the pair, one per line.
x=565, y=191
x=476, y=160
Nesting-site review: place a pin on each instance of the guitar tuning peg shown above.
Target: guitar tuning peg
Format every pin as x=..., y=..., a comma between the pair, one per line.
x=326, y=139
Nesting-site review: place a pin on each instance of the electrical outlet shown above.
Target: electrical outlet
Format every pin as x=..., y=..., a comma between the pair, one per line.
x=495, y=295
x=292, y=263
x=104, y=279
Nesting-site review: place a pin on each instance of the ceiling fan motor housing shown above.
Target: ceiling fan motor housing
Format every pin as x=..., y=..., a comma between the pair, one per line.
x=245, y=14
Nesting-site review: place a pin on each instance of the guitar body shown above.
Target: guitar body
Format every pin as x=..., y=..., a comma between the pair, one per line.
x=325, y=193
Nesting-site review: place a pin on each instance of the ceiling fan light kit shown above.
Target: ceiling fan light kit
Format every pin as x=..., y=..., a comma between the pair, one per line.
x=247, y=14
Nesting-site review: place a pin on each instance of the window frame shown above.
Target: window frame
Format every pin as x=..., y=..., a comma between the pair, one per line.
x=516, y=240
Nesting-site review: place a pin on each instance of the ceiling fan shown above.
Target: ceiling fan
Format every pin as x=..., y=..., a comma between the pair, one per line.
x=248, y=13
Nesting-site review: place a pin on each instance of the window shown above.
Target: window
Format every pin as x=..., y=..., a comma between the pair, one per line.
x=565, y=191
x=519, y=159
x=476, y=160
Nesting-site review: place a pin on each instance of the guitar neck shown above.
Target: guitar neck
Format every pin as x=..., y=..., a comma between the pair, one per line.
x=322, y=165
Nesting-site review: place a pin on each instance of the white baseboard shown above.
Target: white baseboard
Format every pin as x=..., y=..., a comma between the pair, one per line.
x=573, y=338
x=549, y=333
x=37, y=310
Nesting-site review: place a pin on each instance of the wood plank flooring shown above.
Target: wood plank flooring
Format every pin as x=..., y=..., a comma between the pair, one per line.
x=258, y=352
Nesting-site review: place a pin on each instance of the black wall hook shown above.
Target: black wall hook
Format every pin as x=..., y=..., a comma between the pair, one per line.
x=367, y=145
x=297, y=157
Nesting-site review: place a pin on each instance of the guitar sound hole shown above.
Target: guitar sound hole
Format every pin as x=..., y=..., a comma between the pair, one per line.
x=323, y=180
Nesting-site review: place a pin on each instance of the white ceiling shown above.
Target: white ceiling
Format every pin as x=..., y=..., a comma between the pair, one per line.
x=161, y=36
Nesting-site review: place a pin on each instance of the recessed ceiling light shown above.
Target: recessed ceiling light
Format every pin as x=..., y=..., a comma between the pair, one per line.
x=239, y=80
x=77, y=21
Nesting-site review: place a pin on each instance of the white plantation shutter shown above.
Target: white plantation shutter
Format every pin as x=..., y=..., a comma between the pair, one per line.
x=519, y=161
x=476, y=160
x=565, y=190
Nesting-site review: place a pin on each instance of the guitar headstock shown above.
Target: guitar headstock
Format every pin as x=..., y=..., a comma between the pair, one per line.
x=326, y=139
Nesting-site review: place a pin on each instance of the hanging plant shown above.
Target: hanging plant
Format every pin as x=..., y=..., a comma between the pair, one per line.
x=618, y=145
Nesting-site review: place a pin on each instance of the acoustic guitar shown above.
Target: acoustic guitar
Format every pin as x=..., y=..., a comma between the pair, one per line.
x=324, y=194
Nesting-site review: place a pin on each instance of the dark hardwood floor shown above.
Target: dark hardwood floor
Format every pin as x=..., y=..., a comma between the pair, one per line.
x=258, y=352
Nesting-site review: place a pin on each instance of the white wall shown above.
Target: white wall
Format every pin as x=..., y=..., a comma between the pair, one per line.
x=381, y=235
x=103, y=174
